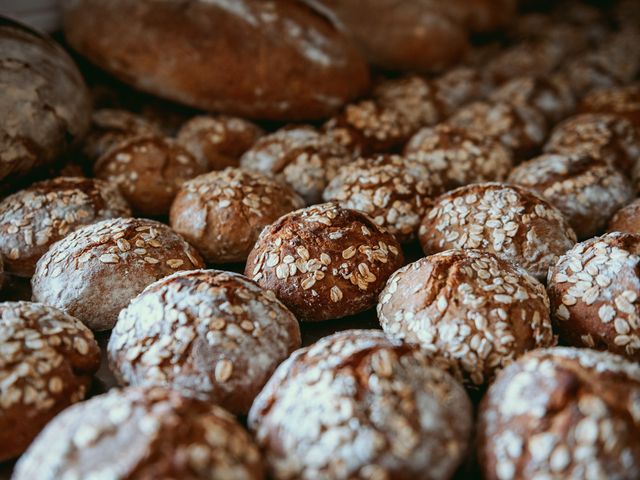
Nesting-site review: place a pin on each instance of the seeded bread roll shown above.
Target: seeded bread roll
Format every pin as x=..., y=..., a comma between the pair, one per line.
x=594, y=292
x=507, y=220
x=520, y=128
x=324, y=262
x=45, y=103
x=394, y=191
x=460, y=156
x=33, y=219
x=300, y=156
x=622, y=101
x=458, y=87
x=109, y=127
x=93, y=272
x=356, y=405
x=149, y=171
x=470, y=309
x=210, y=334
x=223, y=213
x=274, y=60
x=606, y=137
x=47, y=360
x=218, y=141
x=1, y=272
x=369, y=126
x=626, y=219
x=562, y=413
x=551, y=96
x=587, y=191
x=139, y=433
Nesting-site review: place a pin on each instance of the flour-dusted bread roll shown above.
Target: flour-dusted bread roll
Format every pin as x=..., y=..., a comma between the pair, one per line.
x=270, y=60
x=44, y=104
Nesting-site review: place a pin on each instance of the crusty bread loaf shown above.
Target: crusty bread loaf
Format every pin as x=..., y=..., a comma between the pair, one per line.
x=270, y=60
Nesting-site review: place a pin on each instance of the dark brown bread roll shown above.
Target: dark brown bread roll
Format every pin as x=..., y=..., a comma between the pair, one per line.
x=136, y=434
x=562, y=413
x=626, y=219
x=223, y=213
x=460, y=156
x=594, y=291
x=458, y=87
x=272, y=60
x=394, y=191
x=47, y=360
x=33, y=219
x=623, y=101
x=218, y=141
x=149, y=171
x=93, y=272
x=587, y=191
x=300, y=156
x=324, y=262
x=357, y=405
x=45, y=104
x=471, y=310
x=206, y=333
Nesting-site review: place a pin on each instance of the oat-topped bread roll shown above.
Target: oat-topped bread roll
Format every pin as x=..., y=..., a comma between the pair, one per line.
x=300, y=156
x=142, y=433
x=459, y=86
x=623, y=101
x=608, y=137
x=149, y=171
x=470, y=309
x=275, y=60
x=460, y=156
x=222, y=213
x=394, y=191
x=33, y=219
x=110, y=127
x=507, y=220
x=47, y=359
x=594, y=292
x=218, y=141
x=356, y=405
x=93, y=272
x=324, y=262
x=627, y=219
x=214, y=335
x=45, y=104
x=587, y=191
x=562, y=413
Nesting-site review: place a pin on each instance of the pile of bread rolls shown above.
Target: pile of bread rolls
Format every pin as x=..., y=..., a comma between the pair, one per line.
x=317, y=239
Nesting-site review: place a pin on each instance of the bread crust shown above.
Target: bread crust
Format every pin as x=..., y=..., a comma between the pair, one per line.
x=627, y=219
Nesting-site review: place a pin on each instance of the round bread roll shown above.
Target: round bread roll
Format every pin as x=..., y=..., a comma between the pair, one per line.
x=149, y=171
x=47, y=360
x=470, y=309
x=93, y=272
x=458, y=87
x=1, y=272
x=460, y=156
x=142, y=433
x=627, y=219
x=324, y=262
x=271, y=60
x=45, y=104
x=214, y=335
x=551, y=96
x=110, y=127
x=300, y=156
x=358, y=405
x=369, y=127
x=562, y=413
x=218, y=141
x=607, y=137
x=622, y=101
x=587, y=191
x=394, y=191
x=594, y=291
x=33, y=219
x=519, y=127
x=222, y=213
x=510, y=221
